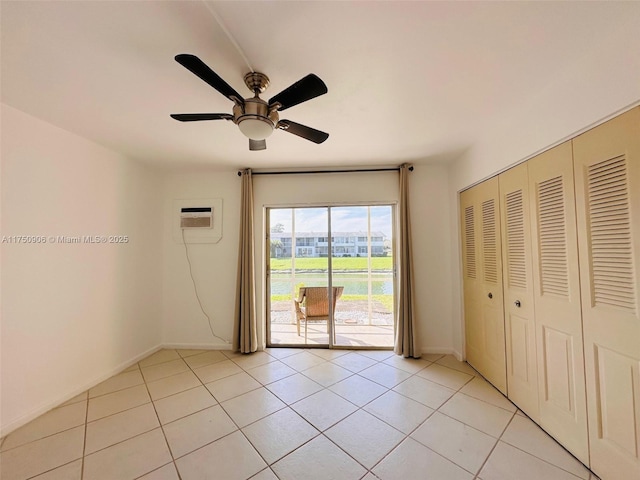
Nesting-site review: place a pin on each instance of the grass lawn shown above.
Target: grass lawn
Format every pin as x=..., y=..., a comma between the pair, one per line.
x=338, y=263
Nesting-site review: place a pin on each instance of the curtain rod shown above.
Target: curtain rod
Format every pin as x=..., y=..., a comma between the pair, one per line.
x=303, y=172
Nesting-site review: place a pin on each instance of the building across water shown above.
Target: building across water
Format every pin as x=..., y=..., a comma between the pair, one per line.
x=314, y=244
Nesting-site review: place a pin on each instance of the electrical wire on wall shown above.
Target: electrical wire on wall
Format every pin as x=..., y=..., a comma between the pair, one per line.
x=195, y=289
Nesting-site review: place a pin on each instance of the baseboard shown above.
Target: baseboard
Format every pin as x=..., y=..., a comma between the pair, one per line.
x=44, y=408
x=437, y=350
x=446, y=351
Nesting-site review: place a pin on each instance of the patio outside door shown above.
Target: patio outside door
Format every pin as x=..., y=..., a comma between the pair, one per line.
x=347, y=251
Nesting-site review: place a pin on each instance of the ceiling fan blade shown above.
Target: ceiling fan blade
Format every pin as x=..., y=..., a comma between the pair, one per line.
x=305, y=89
x=199, y=68
x=195, y=117
x=257, y=144
x=311, y=134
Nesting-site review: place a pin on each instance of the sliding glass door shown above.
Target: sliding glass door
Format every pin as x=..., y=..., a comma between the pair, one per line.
x=330, y=276
x=362, y=263
x=295, y=263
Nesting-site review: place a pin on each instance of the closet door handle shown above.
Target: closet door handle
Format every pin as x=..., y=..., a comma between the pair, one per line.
x=518, y=303
x=490, y=295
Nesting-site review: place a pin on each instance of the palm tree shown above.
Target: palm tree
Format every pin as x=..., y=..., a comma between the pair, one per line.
x=276, y=247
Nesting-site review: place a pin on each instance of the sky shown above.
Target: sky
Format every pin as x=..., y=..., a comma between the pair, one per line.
x=343, y=219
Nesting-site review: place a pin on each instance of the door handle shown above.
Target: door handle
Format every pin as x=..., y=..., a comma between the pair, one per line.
x=517, y=303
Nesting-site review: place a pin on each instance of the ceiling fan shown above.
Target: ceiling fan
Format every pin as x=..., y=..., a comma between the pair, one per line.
x=256, y=118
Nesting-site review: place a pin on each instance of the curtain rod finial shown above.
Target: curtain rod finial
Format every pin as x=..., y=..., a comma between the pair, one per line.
x=411, y=168
x=239, y=173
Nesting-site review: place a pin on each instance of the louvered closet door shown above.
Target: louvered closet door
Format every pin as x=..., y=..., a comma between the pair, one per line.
x=607, y=174
x=485, y=327
x=558, y=320
x=471, y=283
x=522, y=377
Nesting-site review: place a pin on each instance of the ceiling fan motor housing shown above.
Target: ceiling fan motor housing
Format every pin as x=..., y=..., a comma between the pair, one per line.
x=255, y=120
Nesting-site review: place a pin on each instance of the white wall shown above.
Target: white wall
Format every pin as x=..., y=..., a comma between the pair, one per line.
x=73, y=314
x=214, y=265
x=432, y=250
x=593, y=88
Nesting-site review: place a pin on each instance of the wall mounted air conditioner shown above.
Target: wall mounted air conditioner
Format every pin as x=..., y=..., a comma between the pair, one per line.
x=196, y=220
x=196, y=217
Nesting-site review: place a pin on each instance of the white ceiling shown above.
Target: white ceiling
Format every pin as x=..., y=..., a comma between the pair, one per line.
x=408, y=81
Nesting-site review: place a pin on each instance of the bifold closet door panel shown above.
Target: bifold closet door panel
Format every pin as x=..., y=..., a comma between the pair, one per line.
x=485, y=316
x=471, y=280
x=519, y=312
x=607, y=177
x=558, y=319
x=491, y=296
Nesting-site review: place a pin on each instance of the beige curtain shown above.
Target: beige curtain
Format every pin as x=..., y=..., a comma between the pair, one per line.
x=406, y=343
x=245, y=328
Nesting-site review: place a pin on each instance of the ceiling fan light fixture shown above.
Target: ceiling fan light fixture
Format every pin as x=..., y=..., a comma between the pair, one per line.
x=256, y=118
x=255, y=127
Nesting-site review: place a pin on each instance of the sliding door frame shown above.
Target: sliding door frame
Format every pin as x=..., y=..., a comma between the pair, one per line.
x=331, y=321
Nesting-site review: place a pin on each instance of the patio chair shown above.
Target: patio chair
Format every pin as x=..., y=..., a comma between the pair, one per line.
x=313, y=304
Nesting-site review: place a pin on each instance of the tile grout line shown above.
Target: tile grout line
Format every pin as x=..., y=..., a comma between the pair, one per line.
x=322, y=432
x=459, y=390
x=49, y=436
x=488, y=403
x=126, y=439
x=547, y=461
x=238, y=429
x=162, y=429
x=557, y=443
x=164, y=435
x=388, y=389
x=84, y=440
x=361, y=408
x=515, y=414
x=479, y=400
x=407, y=436
x=448, y=459
x=155, y=470
x=277, y=360
x=177, y=393
x=495, y=445
x=173, y=462
x=120, y=411
x=44, y=437
x=123, y=441
x=113, y=391
x=358, y=408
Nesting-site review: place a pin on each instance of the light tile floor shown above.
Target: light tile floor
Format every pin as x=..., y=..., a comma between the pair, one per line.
x=288, y=414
